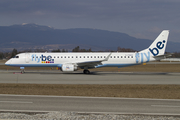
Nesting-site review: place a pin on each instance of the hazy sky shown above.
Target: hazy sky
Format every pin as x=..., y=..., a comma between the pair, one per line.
x=138, y=18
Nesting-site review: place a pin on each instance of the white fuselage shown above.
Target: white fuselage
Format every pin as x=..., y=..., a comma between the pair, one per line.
x=116, y=59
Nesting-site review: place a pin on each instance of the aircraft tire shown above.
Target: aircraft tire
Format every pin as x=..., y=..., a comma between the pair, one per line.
x=86, y=72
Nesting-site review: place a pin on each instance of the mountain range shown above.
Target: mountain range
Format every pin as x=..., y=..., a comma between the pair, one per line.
x=33, y=36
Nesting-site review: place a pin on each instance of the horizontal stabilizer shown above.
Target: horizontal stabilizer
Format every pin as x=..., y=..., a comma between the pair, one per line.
x=164, y=56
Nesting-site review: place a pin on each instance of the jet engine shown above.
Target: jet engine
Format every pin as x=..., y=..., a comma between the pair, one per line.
x=68, y=68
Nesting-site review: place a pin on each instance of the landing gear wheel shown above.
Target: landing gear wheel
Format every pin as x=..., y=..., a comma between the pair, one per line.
x=86, y=72
x=22, y=71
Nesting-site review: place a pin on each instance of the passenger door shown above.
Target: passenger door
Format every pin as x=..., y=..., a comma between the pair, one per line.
x=27, y=57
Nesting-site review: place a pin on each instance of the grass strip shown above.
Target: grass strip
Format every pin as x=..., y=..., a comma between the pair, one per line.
x=127, y=91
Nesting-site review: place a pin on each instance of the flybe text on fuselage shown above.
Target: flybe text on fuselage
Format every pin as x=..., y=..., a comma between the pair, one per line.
x=142, y=57
x=43, y=59
x=159, y=46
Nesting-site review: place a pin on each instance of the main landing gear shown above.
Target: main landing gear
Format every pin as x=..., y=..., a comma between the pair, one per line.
x=86, y=72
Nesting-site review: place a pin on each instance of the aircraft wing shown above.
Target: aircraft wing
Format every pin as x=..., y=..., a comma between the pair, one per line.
x=93, y=63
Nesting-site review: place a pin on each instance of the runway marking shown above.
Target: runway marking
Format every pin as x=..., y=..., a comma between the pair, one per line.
x=16, y=73
x=164, y=106
x=40, y=111
x=15, y=102
x=85, y=97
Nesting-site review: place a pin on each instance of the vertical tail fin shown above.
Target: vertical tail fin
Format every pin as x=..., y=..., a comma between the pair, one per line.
x=158, y=47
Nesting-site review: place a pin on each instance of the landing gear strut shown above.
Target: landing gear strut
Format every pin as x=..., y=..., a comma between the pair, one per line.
x=22, y=70
x=86, y=72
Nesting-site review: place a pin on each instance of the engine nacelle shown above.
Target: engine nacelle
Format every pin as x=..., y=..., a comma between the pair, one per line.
x=68, y=68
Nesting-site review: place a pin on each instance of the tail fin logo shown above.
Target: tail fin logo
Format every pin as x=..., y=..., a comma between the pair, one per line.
x=159, y=46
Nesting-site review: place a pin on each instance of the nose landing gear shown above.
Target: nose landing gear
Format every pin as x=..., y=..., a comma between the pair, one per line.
x=22, y=70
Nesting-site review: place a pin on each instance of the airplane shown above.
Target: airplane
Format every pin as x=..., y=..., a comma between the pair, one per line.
x=69, y=62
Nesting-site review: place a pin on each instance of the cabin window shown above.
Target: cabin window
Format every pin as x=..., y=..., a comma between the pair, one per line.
x=84, y=57
x=72, y=56
x=131, y=56
x=111, y=56
x=64, y=56
x=68, y=57
x=124, y=56
x=91, y=57
x=128, y=56
x=114, y=56
x=87, y=56
x=54, y=56
x=94, y=56
x=58, y=57
x=104, y=56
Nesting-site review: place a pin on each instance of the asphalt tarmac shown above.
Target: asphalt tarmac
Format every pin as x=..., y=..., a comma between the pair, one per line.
x=56, y=77
x=32, y=103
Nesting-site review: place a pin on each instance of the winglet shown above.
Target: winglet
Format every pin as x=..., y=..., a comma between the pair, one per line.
x=106, y=59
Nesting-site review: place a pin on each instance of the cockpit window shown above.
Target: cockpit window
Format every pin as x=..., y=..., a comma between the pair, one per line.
x=16, y=57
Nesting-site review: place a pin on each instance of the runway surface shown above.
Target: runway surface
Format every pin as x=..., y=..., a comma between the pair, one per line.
x=56, y=77
x=89, y=104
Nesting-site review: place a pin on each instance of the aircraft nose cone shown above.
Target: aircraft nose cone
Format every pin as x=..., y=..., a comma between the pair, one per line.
x=8, y=62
